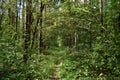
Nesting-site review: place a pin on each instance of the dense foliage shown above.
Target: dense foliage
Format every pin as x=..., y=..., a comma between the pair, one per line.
x=84, y=34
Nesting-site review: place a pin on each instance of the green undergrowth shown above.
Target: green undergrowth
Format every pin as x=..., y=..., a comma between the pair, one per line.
x=73, y=66
x=12, y=66
x=38, y=66
x=85, y=65
x=42, y=67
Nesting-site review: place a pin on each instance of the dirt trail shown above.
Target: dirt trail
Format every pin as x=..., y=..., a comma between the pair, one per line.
x=56, y=70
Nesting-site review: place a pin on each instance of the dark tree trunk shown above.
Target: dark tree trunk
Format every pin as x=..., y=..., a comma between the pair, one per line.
x=16, y=25
x=27, y=29
x=1, y=15
x=41, y=26
x=90, y=3
x=11, y=13
x=35, y=32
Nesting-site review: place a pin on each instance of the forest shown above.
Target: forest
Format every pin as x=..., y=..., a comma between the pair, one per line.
x=59, y=39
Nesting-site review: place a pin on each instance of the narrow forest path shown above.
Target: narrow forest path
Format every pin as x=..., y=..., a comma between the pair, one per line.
x=55, y=76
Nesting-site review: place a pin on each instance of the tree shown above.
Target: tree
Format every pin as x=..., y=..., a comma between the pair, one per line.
x=28, y=29
x=101, y=11
x=42, y=5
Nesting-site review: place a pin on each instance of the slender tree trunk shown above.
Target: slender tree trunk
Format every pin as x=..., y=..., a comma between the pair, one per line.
x=101, y=11
x=34, y=37
x=35, y=32
x=76, y=39
x=90, y=4
x=71, y=40
x=16, y=20
x=11, y=13
x=23, y=23
x=2, y=14
x=27, y=29
x=41, y=26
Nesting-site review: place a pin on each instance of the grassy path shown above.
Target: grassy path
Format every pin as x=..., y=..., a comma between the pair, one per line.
x=57, y=56
x=56, y=69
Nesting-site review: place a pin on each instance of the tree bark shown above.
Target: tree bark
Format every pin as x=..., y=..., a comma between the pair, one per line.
x=11, y=13
x=16, y=25
x=27, y=29
x=41, y=26
x=101, y=11
x=1, y=15
x=35, y=32
x=76, y=40
x=90, y=3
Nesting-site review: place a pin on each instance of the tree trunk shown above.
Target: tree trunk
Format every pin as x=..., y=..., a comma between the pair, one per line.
x=11, y=13
x=76, y=39
x=90, y=4
x=23, y=22
x=2, y=14
x=27, y=29
x=16, y=25
x=41, y=26
x=101, y=11
x=35, y=32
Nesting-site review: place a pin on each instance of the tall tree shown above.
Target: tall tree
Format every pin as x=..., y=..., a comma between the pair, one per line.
x=28, y=29
x=36, y=20
x=42, y=5
x=2, y=12
x=101, y=11
x=11, y=13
